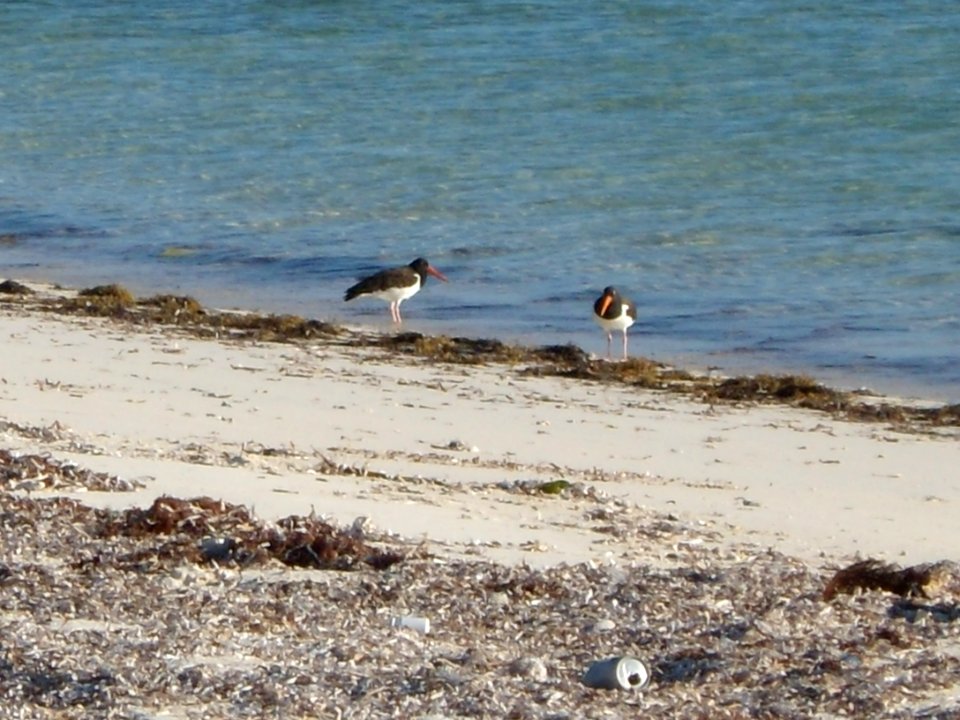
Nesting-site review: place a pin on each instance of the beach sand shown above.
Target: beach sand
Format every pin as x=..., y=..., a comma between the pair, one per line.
x=453, y=465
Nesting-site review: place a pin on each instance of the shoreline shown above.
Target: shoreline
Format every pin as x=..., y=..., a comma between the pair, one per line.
x=542, y=512
x=727, y=362
x=310, y=409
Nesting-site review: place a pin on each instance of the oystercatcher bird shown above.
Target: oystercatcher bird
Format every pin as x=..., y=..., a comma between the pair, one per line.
x=613, y=312
x=395, y=284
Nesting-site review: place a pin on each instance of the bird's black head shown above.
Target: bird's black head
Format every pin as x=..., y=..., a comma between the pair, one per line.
x=420, y=265
x=423, y=268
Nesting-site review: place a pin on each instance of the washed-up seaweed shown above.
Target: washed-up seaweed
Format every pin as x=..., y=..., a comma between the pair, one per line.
x=203, y=530
x=733, y=633
x=26, y=472
x=872, y=574
x=189, y=316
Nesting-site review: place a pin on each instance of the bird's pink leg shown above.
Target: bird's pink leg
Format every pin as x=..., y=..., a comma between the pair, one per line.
x=624, y=344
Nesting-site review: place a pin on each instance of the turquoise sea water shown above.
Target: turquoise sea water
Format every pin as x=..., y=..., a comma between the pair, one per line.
x=777, y=184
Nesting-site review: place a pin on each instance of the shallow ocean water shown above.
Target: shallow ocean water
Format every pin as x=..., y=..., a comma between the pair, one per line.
x=776, y=185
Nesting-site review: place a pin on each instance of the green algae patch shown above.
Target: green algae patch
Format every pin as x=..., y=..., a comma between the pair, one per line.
x=177, y=251
x=553, y=487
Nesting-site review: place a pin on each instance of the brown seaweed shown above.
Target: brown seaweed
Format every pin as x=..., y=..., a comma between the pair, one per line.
x=28, y=472
x=203, y=529
x=12, y=287
x=98, y=626
x=870, y=574
x=188, y=316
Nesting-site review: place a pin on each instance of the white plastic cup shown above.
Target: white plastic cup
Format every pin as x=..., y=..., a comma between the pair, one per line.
x=420, y=624
x=617, y=673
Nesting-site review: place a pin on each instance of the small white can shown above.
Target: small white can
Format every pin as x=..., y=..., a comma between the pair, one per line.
x=617, y=673
x=420, y=624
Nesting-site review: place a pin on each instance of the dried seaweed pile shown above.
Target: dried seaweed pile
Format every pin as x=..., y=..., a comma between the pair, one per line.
x=36, y=472
x=916, y=581
x=202, y=531
x=207, y=530
x=726, y=634
x=116, y=302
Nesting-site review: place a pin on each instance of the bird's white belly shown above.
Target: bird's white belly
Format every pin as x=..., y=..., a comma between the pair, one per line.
x=397, y=294
x=621, y=322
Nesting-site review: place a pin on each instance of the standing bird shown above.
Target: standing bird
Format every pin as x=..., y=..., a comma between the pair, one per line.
x=613, y=312
x=395, y=285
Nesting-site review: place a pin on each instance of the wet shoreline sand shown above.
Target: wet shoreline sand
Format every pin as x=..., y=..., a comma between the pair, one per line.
x=531, y=505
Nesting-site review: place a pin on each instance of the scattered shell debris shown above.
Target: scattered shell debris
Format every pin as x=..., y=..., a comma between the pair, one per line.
x=29, y=473
x=196, y=608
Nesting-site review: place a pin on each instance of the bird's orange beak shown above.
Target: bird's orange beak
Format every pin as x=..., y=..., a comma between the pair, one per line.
x=436, y=273
x=607, y=299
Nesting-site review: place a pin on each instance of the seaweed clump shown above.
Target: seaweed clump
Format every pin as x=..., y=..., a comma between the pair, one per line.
x=204, y=530
x=638, y=372
x=20, y=472
x=870, y=574
x=173, y=309
x=798, y=389
x=461, y=350
x=567, y=361
x=270, y=328
x=106, y=300
x=12, y=287
x=187, y=314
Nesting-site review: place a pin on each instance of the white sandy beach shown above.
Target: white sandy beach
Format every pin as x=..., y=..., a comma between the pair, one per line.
x=700, y=539
x=263, y=424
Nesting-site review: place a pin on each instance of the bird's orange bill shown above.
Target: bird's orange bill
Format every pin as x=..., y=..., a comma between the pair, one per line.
x=607, y=299
x=436, y=273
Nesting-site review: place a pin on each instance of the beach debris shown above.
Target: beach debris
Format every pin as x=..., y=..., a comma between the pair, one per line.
x=617, y=673
x=569, y=361
x=110, y=300
x=726, y=633
x=601, y=626
x=218, y=549
x=529, y=667
x=360, y=527
x=203, y=529
x=553, y=487
x=457, y=446
x=871, y=574
x=12, y=287
x=420, y=624
x=29, y=473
